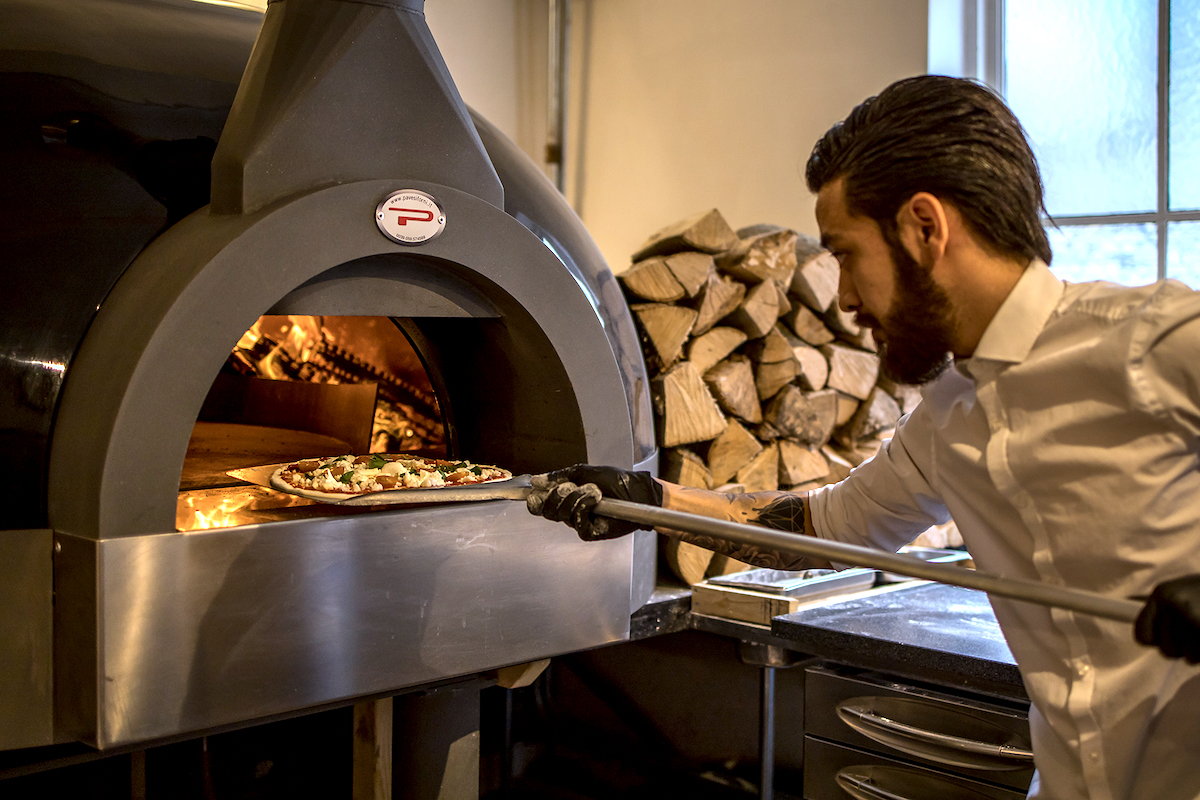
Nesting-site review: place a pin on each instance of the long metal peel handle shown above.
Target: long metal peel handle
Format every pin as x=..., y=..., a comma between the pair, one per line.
x=798, y=544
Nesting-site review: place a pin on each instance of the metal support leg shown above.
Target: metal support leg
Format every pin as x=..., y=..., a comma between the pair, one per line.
x=766, y=735
x=769, y=657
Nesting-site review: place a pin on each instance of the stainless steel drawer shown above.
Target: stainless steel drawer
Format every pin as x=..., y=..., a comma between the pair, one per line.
x=965, y=735
x=837, y=772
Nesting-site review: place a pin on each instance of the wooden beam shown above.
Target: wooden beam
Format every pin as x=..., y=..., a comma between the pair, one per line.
x=372, y=752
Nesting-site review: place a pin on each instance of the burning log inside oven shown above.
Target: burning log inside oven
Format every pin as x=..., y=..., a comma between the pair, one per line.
x=307, y=349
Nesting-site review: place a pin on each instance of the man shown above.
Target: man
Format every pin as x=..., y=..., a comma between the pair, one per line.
x=1059, y=428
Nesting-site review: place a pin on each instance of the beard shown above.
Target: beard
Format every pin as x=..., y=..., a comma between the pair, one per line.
x=919, y=326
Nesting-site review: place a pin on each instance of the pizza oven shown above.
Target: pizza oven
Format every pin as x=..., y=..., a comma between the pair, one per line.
x=208, y=270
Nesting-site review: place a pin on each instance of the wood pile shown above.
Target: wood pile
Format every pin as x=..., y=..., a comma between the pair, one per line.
x=759, y=381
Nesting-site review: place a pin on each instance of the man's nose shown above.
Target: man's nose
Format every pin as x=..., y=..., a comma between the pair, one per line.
x=848, y=299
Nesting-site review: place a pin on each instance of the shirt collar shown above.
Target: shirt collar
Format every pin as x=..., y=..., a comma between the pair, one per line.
x=1019, y=321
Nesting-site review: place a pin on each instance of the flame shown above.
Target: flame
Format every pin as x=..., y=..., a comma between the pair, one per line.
x=250, y=337
x=300, y=338
x=199, y=511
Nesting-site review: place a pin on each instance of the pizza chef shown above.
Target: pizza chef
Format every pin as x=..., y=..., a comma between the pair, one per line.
x=1059, y=427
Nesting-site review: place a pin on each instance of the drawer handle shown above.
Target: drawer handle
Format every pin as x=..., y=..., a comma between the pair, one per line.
x=872, y=782
x=861, y=787
x=862, y=715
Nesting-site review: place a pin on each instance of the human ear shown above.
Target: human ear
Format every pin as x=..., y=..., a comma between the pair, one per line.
x=923, y=227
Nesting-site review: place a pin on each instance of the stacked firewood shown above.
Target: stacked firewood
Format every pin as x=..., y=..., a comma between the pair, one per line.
x=759, y=380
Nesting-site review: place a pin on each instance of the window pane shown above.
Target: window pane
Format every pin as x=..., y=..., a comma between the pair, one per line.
x=1082, y=79
x=1184, y=184
x=1125, y=254
x=1183, y=252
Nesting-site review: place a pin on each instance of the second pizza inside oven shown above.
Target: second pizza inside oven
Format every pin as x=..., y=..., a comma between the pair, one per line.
x=296, y=387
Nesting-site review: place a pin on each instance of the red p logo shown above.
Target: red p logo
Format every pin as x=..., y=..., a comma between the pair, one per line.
x=406, y=215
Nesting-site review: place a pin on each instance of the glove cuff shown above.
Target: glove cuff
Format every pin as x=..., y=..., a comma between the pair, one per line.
x=645, y=489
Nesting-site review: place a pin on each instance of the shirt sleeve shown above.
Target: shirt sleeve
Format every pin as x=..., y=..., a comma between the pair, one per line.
x=1167, y=375
x=887, y=501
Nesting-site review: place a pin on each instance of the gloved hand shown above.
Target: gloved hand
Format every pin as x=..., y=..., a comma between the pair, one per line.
x=569, y=495
x=1171, y=619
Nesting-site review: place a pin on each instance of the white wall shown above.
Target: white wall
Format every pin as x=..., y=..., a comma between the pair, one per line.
x=479, y=40
x=695, y=104
x=682, y=105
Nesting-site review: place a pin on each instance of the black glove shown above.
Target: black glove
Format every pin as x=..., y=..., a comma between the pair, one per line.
x=569, y=495
x=1171, y=619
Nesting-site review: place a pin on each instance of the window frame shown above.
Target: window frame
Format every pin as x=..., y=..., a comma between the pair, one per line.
x=980, y=54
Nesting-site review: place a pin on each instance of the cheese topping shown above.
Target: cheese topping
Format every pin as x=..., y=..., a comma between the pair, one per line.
x=381, y=472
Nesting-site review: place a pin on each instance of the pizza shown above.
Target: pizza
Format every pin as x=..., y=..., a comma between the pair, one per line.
x=348, y=476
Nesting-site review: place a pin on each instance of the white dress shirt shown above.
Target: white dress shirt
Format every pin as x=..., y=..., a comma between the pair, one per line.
x=1066, y=451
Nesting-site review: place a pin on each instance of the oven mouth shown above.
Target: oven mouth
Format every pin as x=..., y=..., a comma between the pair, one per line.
x=301, y=386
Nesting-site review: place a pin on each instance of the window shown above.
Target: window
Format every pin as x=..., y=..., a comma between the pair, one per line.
x=1109, y=93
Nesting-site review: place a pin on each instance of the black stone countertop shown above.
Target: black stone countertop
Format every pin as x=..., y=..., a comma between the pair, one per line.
x=925, y=631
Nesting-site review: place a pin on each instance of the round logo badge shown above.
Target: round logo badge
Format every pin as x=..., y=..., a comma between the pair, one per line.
x=410, y=216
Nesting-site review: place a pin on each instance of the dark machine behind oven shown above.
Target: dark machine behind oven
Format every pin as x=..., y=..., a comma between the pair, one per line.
x=130, y=277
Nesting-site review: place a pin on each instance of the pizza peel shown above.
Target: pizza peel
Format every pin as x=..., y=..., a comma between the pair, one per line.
x=1045, y=594
x=519, y=486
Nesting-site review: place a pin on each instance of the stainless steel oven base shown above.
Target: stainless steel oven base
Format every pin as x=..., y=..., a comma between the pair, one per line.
x=165, y=634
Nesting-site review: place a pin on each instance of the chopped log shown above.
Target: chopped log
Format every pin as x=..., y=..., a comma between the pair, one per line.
x=806, y=247
x=815, y=282
x=839, y=467
x=861, y=451
x=905, y=395
x=846, y=406
x=765, y=256
x=718, y=298
x=731, y=451
x=724, y=565
x=785, y=302
x=709, y=348
x=756, y=314
x=770, y=378
x=877, y=412
x=772, y=347
x=814, y=369
x=667, y=327
x=685, y=468
x=687, y=412
x=691, y=269
x=808, y=418
x=851, y=371
x=688, y=562
x=707, y=232
x=798, y=464
x=761, y=228
x=762, y=473
x=842, y=323
x=808, y=326
x=732, y=384
x=864, y=339
x=652, y=280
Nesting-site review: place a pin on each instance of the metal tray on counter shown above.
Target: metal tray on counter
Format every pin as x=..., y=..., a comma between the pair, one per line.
x=933, y=555
x=803, y=583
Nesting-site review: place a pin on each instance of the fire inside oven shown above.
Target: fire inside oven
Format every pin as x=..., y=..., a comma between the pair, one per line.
x=303, y=386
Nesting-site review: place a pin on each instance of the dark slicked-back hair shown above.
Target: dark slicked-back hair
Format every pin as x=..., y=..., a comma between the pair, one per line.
x=950, y=137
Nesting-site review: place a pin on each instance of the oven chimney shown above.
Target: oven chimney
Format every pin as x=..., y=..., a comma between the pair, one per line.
x=340, y=91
